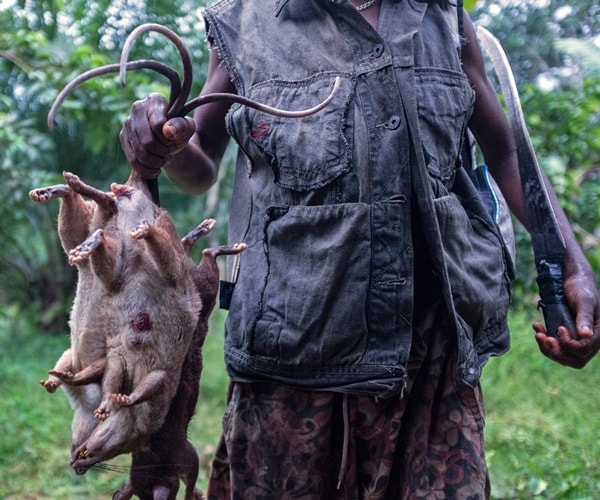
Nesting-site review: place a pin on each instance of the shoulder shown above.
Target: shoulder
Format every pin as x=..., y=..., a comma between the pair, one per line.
x=471, y=55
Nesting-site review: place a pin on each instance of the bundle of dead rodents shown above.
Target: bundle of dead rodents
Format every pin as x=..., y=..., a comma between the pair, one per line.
x=141, y=308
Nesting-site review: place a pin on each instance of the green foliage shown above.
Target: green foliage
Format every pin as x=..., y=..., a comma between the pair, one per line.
x=565, y=129
x=570, y=147
x=529, y=31
x=50, y=44
x=540, y=433
x=469, y=4
x=588, y=54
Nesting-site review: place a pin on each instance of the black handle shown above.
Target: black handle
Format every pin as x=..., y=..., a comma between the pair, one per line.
x=556, y=315
x=553, y=302
x=153, y=188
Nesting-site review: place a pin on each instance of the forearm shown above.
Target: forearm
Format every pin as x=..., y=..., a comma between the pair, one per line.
x=575, y=263
x=189, y=150
x=192, y=170
x=504, y=168
x=494, y=135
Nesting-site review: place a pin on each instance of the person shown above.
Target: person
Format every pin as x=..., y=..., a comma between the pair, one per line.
x=353, y=355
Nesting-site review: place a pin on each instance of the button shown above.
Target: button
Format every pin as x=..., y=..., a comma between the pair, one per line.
x=378, y=50
x=394, y=122
x=397, y=198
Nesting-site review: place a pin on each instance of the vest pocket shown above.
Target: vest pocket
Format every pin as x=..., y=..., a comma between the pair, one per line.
x=445, y=101
x=304, y=153
x=317, y=280
x=475, y=263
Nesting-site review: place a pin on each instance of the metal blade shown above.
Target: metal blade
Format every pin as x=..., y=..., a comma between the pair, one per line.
x=546, y=236
x=547, y=241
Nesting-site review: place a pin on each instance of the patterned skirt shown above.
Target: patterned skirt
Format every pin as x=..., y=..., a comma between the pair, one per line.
x=283, y=443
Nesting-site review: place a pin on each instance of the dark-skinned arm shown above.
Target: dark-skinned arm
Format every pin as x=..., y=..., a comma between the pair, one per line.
x=190, y=150
x=494, y=136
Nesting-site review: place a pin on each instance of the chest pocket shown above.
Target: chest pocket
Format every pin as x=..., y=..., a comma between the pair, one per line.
x=304, y=153
x=445, y=101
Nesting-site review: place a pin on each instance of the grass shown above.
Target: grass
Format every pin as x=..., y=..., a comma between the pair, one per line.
x=35, y=426
x=543, y=420
x=541, y=434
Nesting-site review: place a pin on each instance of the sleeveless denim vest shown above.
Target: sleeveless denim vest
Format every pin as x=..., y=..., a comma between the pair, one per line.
x=324, y=295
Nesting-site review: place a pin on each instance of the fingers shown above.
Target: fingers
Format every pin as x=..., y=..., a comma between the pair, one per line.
x=149, y=140
x=575, y=349
x=145, y=151
x=584, y=323
x=565, y=350
x=582, y=295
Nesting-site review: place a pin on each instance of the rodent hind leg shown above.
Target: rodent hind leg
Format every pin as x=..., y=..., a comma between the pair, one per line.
x=152, y=386
x=214, y=252
x=64, y=364
x=165, y=252
x=89, y=375
x=74, y=216
x=198, y=232
x=112, y=383
x=125, y=492
x=48, y=193
x=189, y=471
x=83, y=251
x=103, y=251
x=103, y=199
x=208, y=264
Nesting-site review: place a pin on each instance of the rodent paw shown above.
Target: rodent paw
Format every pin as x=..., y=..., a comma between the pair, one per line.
x=40, y=195
x=120, y=399
x=64, y=376
x=50, y=385
x=141, y=231
x=101, y=413
x=82, y=252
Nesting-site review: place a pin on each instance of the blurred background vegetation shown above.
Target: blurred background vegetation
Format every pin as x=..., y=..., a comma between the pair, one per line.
x=540, y=440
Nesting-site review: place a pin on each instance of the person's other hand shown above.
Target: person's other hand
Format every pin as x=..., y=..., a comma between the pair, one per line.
x=566, y=349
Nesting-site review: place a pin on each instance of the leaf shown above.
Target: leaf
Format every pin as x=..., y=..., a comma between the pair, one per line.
x=584, y=52
x=469, y=4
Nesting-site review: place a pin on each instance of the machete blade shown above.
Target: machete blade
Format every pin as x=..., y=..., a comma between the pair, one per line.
x=547, y=240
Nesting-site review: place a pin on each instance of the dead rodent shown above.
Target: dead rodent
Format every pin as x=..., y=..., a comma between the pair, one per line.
x=105, y=259
x=149, y=305
x=79, y=369
x=149, y=313
x=170, y=457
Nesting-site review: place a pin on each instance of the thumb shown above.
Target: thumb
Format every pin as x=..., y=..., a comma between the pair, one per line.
x=179, y=129
x=584, y=318
x=584, y=325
